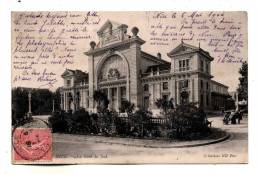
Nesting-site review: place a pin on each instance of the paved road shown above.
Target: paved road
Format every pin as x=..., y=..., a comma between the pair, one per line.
x=233, y=150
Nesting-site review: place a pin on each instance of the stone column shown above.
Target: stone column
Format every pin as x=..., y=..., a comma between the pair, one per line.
x=29, y=114
x=178, y=92
x=65, y=102
x=210, y=100
x=118, y=98
x=109, y=95
x=196, y=91
x=160, y=90
x=81, y=98
x=84, y=98
x=91, y=82
x=61, y=101
x=151, y=98
x=172, y=90
x=53, y=105
x=191, y=96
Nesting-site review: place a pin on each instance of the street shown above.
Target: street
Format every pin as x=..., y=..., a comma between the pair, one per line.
x=234, y=150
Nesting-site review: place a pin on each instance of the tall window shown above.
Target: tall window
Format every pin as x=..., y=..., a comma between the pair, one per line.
x=123, y=93
x=146, y=87
x=187, y=64
x=201, y=65
x=184, y=65
x=165, y=86
x=166, y=97
x=180, y=65
x=68, y=83
x=184, y=84
x=207, y=67
x=201, y=100
x=207, y=99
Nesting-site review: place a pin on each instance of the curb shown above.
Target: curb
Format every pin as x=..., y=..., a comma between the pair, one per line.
x=227, y=136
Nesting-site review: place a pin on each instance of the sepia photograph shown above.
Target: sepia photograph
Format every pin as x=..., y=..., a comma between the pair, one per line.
x=151, y=87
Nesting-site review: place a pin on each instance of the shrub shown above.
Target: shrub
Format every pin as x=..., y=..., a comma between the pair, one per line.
x=187, y=119
x=137, y=122
x=58, y=122
x=185, y=122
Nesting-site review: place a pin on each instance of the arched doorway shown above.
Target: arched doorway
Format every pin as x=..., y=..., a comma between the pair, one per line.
x=113, y=78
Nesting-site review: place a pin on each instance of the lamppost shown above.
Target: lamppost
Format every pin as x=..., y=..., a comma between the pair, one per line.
x=53, y=106
x=29, y=114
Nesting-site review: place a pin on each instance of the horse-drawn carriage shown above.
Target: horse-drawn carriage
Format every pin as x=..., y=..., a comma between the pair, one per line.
x=232, y=116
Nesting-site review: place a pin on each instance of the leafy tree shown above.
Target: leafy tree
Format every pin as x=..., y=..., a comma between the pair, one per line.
x=164, y=104
x=127, y=106
x=56, y=97
x=243, y=82
x=19, y=104
x=41, y=102
x=101, y=99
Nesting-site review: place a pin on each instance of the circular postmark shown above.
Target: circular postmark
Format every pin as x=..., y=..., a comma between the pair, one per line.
x=30, y=143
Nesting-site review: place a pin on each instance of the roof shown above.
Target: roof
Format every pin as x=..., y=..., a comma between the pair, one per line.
x=153, y=58
x=70, y=72
x=184, y=48
x=218, y=83
x=162, y=67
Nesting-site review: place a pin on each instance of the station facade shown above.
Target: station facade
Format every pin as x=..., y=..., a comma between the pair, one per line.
x=119, y=67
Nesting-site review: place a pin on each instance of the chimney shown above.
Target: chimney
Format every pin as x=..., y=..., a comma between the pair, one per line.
x=159, y=55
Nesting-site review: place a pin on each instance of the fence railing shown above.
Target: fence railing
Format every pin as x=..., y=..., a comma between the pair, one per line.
x=149, y=120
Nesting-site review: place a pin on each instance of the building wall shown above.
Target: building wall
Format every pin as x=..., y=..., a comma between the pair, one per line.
x=190, y=71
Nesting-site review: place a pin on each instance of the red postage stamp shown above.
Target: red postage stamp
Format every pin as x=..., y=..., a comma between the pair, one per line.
x=32, y=144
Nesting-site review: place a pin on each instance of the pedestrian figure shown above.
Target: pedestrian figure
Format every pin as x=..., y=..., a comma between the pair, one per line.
x=233, y=118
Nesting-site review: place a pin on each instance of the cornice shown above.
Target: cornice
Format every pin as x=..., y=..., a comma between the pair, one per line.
x=115, y=45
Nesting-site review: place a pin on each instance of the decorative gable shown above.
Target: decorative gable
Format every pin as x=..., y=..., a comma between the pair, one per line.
x=67, y=73
x=112, y=32
x=182, y=48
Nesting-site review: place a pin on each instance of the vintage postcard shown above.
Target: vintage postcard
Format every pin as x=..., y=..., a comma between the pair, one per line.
x=129, y=87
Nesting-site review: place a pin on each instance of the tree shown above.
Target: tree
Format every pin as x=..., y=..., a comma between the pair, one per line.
x=243, y=82
x=164, y=104
x=56, y=97
x=101, y=99
x=19, y=104
x=41, y=102
x=127, y=106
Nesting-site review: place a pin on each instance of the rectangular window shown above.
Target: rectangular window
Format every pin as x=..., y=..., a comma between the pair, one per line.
x=123, y=93
x=165, y=85
x=180, y=64
x=165, y=97
x=184, y=65
x=201, y=65
x=201, y=85
x=68, y=83
x=184, y=83
x=201, y=100
x=207, y=99
x=146, y=102
x=187, y=64
x=146, y=87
